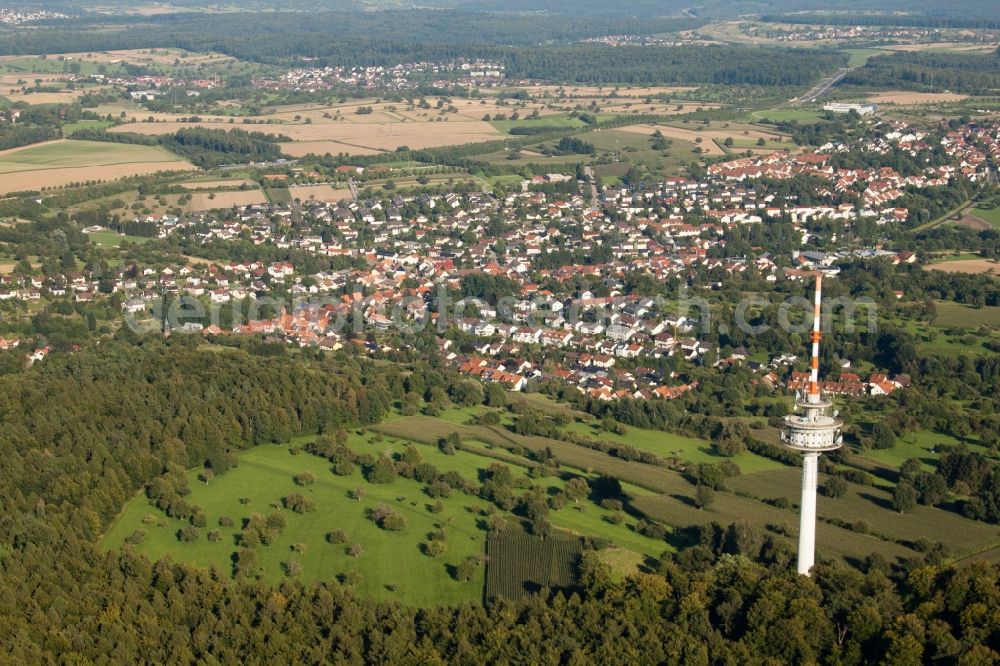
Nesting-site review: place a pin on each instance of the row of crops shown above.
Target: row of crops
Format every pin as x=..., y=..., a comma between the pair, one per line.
x=521, y=563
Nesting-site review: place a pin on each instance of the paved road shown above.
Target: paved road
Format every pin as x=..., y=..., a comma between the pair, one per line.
x=822, y=87
x=592, y=179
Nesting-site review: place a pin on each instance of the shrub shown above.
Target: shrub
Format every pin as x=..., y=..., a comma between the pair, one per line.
x=298, y=503
x=835, y=487
x=187, y=534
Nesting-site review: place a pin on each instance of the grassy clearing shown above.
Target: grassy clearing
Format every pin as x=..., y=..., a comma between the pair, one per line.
x=113, y=239
x=668, y=445
x=991, y=215
x=70, y=128
x=265, y=475
x=546, y=122
x=858, y=57
x=950, y=314
x=918, y=445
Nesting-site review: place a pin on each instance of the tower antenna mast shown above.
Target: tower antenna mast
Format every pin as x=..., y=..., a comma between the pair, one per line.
x=811, y=431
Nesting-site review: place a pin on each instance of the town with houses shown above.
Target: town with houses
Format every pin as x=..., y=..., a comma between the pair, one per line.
x=18, y=16
x=404, y=76
x=400, y=252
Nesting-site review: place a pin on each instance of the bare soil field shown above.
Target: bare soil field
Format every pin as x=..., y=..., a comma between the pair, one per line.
x=217, y=184
x=66, y=97
x=325, y=193
x=33, y=180
x=969, y=266
x=210, y=200
x=908, y=98
x=10, y=81
x=973, y=222
x=140, y=57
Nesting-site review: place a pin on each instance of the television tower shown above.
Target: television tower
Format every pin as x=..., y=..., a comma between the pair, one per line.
x=811, y=431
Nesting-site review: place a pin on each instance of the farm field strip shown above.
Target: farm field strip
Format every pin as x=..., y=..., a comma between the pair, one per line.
x=63, y=162
x=874, y=506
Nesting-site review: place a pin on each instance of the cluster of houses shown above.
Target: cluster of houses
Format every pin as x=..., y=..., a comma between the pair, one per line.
x=15, y=16
x=828, y=32
x=395, y=77
x=876, y=187
x=566, y=264
x=851, y=384
x=37, y=354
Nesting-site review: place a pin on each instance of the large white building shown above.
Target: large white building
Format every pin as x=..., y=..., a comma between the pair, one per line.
x=843, y=107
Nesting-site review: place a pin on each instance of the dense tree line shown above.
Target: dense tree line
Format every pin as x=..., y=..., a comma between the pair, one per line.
x=205, y=147
x=723, y=65
x=15, y=136
x=959, y=72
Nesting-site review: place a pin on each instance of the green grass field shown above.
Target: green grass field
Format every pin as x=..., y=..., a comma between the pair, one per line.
x=991, y=215
x=668, y=445
x=113, y=239
x=278, y=194
x=63, y=154
x=389, y=558
x=918, y=445
x=556, y=122
x=950, y=314
x=265, y=474
x=858, y=57
x=69, y=128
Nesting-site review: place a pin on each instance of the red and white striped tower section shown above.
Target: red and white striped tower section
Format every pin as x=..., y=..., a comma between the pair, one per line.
x=811, y=431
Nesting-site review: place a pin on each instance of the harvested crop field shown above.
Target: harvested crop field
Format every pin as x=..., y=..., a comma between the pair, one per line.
x=319, y=193
x=217, y=184
x=369, y=136
x=707, y=144
x=66, y=97
x=908, y=98
x=968, y=266
x=210, y=200
x=709, y=136
x=60, y=163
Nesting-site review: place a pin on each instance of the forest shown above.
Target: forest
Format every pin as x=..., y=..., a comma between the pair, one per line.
x=391, y=38
x=957, y=72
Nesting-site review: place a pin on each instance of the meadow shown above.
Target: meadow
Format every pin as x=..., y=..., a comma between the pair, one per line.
x=113, y=239
x=266, y=474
